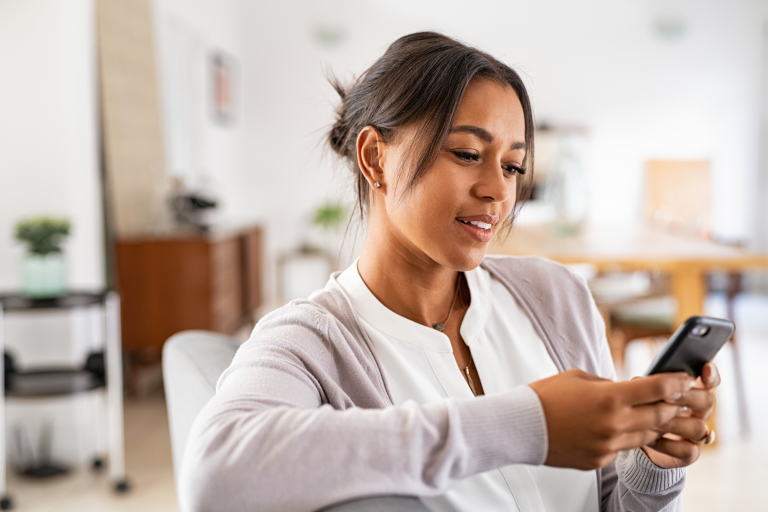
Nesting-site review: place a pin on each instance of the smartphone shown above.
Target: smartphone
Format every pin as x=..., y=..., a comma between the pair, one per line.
x=694, y=344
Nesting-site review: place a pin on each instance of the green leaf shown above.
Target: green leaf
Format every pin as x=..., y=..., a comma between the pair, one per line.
x=330, y=216
x=43, y=235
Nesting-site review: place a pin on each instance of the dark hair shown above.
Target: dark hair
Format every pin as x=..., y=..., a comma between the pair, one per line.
x=420, y=79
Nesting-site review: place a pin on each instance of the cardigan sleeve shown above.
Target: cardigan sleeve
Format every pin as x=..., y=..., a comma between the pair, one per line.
x=642, y=486
x=270, y=439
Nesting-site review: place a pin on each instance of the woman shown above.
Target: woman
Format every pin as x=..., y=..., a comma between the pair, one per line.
x=367, y=388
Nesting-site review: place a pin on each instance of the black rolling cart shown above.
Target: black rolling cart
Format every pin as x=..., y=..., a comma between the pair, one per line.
x=100, y=371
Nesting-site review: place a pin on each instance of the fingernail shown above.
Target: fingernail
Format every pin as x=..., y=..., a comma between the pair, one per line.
x=689, y=384
x=676, y=396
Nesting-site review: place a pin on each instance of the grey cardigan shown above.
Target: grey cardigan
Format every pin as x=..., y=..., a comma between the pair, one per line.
x=303, y=418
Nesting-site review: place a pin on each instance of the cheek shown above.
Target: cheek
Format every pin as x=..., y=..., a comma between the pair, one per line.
x=439, y=199
x=509, y=204
x=428, y=209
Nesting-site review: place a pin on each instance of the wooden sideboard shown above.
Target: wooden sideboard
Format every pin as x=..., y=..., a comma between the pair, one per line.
x=173, y=282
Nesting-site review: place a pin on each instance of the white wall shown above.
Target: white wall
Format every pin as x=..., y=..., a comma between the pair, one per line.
x=210, y=154
x=597, y=63
x=48, y=129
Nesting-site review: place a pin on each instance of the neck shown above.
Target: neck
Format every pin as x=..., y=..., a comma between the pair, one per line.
x=407, y=282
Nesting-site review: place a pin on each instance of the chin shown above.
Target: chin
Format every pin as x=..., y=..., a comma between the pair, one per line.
x=465, y=260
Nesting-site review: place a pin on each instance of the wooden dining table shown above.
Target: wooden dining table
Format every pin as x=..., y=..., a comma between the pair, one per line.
x=686, y=260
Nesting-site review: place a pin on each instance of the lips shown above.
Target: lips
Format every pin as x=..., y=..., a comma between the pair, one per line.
x=478, y=223
x=479, y=226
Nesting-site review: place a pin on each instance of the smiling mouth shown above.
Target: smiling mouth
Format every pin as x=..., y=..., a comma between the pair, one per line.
x=478, y=224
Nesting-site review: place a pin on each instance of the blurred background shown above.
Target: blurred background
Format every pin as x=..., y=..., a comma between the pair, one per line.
x=173, y=151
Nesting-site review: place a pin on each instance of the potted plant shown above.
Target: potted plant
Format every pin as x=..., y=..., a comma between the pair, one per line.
x=330, y=216
x=306, y=268
x=43, y=268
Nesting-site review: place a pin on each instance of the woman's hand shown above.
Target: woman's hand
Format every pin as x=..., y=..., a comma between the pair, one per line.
x=683, y=435
x=590, y=419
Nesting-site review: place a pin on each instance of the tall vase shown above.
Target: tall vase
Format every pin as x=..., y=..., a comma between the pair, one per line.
x=43, y=275
x=566, y=188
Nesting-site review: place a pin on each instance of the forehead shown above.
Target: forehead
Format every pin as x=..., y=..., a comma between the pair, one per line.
x=493, y=107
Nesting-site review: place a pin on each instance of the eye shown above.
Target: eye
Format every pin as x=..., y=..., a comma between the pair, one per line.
x=466, y=156
x=513, y=169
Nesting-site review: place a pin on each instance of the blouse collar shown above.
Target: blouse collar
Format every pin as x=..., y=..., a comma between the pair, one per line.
x=390, y=323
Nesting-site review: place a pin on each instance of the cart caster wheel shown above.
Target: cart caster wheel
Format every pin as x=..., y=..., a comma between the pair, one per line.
x=122, y=486
x=97, y=464
x=6, y=503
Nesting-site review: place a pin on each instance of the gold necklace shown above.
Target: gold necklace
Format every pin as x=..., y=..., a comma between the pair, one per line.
x=440, y=326
x=469, y=377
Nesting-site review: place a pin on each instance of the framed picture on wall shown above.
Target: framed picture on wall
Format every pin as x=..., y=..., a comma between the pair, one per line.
x=222, y=87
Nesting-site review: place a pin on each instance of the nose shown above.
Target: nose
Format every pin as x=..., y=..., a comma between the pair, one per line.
x=493, y=185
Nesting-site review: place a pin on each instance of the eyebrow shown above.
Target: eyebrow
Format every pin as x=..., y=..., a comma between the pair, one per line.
x=483, y=135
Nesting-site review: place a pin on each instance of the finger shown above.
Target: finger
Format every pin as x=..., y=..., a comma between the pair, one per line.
x=648, y=390
x=702, y=415
x=699, y=400
x=693, y=429
x=710, y=376
x=630, y=440
x=685, y=451
x=651, y=416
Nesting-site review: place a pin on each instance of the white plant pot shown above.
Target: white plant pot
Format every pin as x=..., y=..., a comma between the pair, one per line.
x=43, y=276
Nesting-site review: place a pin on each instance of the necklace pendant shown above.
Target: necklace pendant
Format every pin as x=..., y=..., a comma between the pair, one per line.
x=470, y=381
x=439, y=327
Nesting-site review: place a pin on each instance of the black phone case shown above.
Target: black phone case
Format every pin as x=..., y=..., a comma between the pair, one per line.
x=686, y=352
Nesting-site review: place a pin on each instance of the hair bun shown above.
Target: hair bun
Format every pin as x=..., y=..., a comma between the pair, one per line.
x=339, y=134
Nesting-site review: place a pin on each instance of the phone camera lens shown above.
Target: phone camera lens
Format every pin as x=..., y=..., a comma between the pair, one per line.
x=700, y=330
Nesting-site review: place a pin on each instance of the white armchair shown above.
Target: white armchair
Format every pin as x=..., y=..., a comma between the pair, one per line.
x=192, y=363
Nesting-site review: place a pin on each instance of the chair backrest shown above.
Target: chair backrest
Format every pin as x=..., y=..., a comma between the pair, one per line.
x=192, y=363
x=677, y=195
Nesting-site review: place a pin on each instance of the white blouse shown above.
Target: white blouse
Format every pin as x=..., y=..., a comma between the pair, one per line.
x=418, y=364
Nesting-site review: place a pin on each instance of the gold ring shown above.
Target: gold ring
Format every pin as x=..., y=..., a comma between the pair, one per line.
x=710, y=437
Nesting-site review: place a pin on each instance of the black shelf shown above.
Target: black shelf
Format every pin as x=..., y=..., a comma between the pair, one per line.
x=17, y=302
x=60, y=381
x=51, y=382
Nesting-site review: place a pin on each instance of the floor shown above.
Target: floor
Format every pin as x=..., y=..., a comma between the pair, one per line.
x=729, y=476
x=733, y=474
x=148, y=465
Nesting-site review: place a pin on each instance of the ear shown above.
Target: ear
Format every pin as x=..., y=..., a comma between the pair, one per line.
x=371, y=156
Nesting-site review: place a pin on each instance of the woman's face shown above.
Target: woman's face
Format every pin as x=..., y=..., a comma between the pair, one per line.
x=452, y=213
